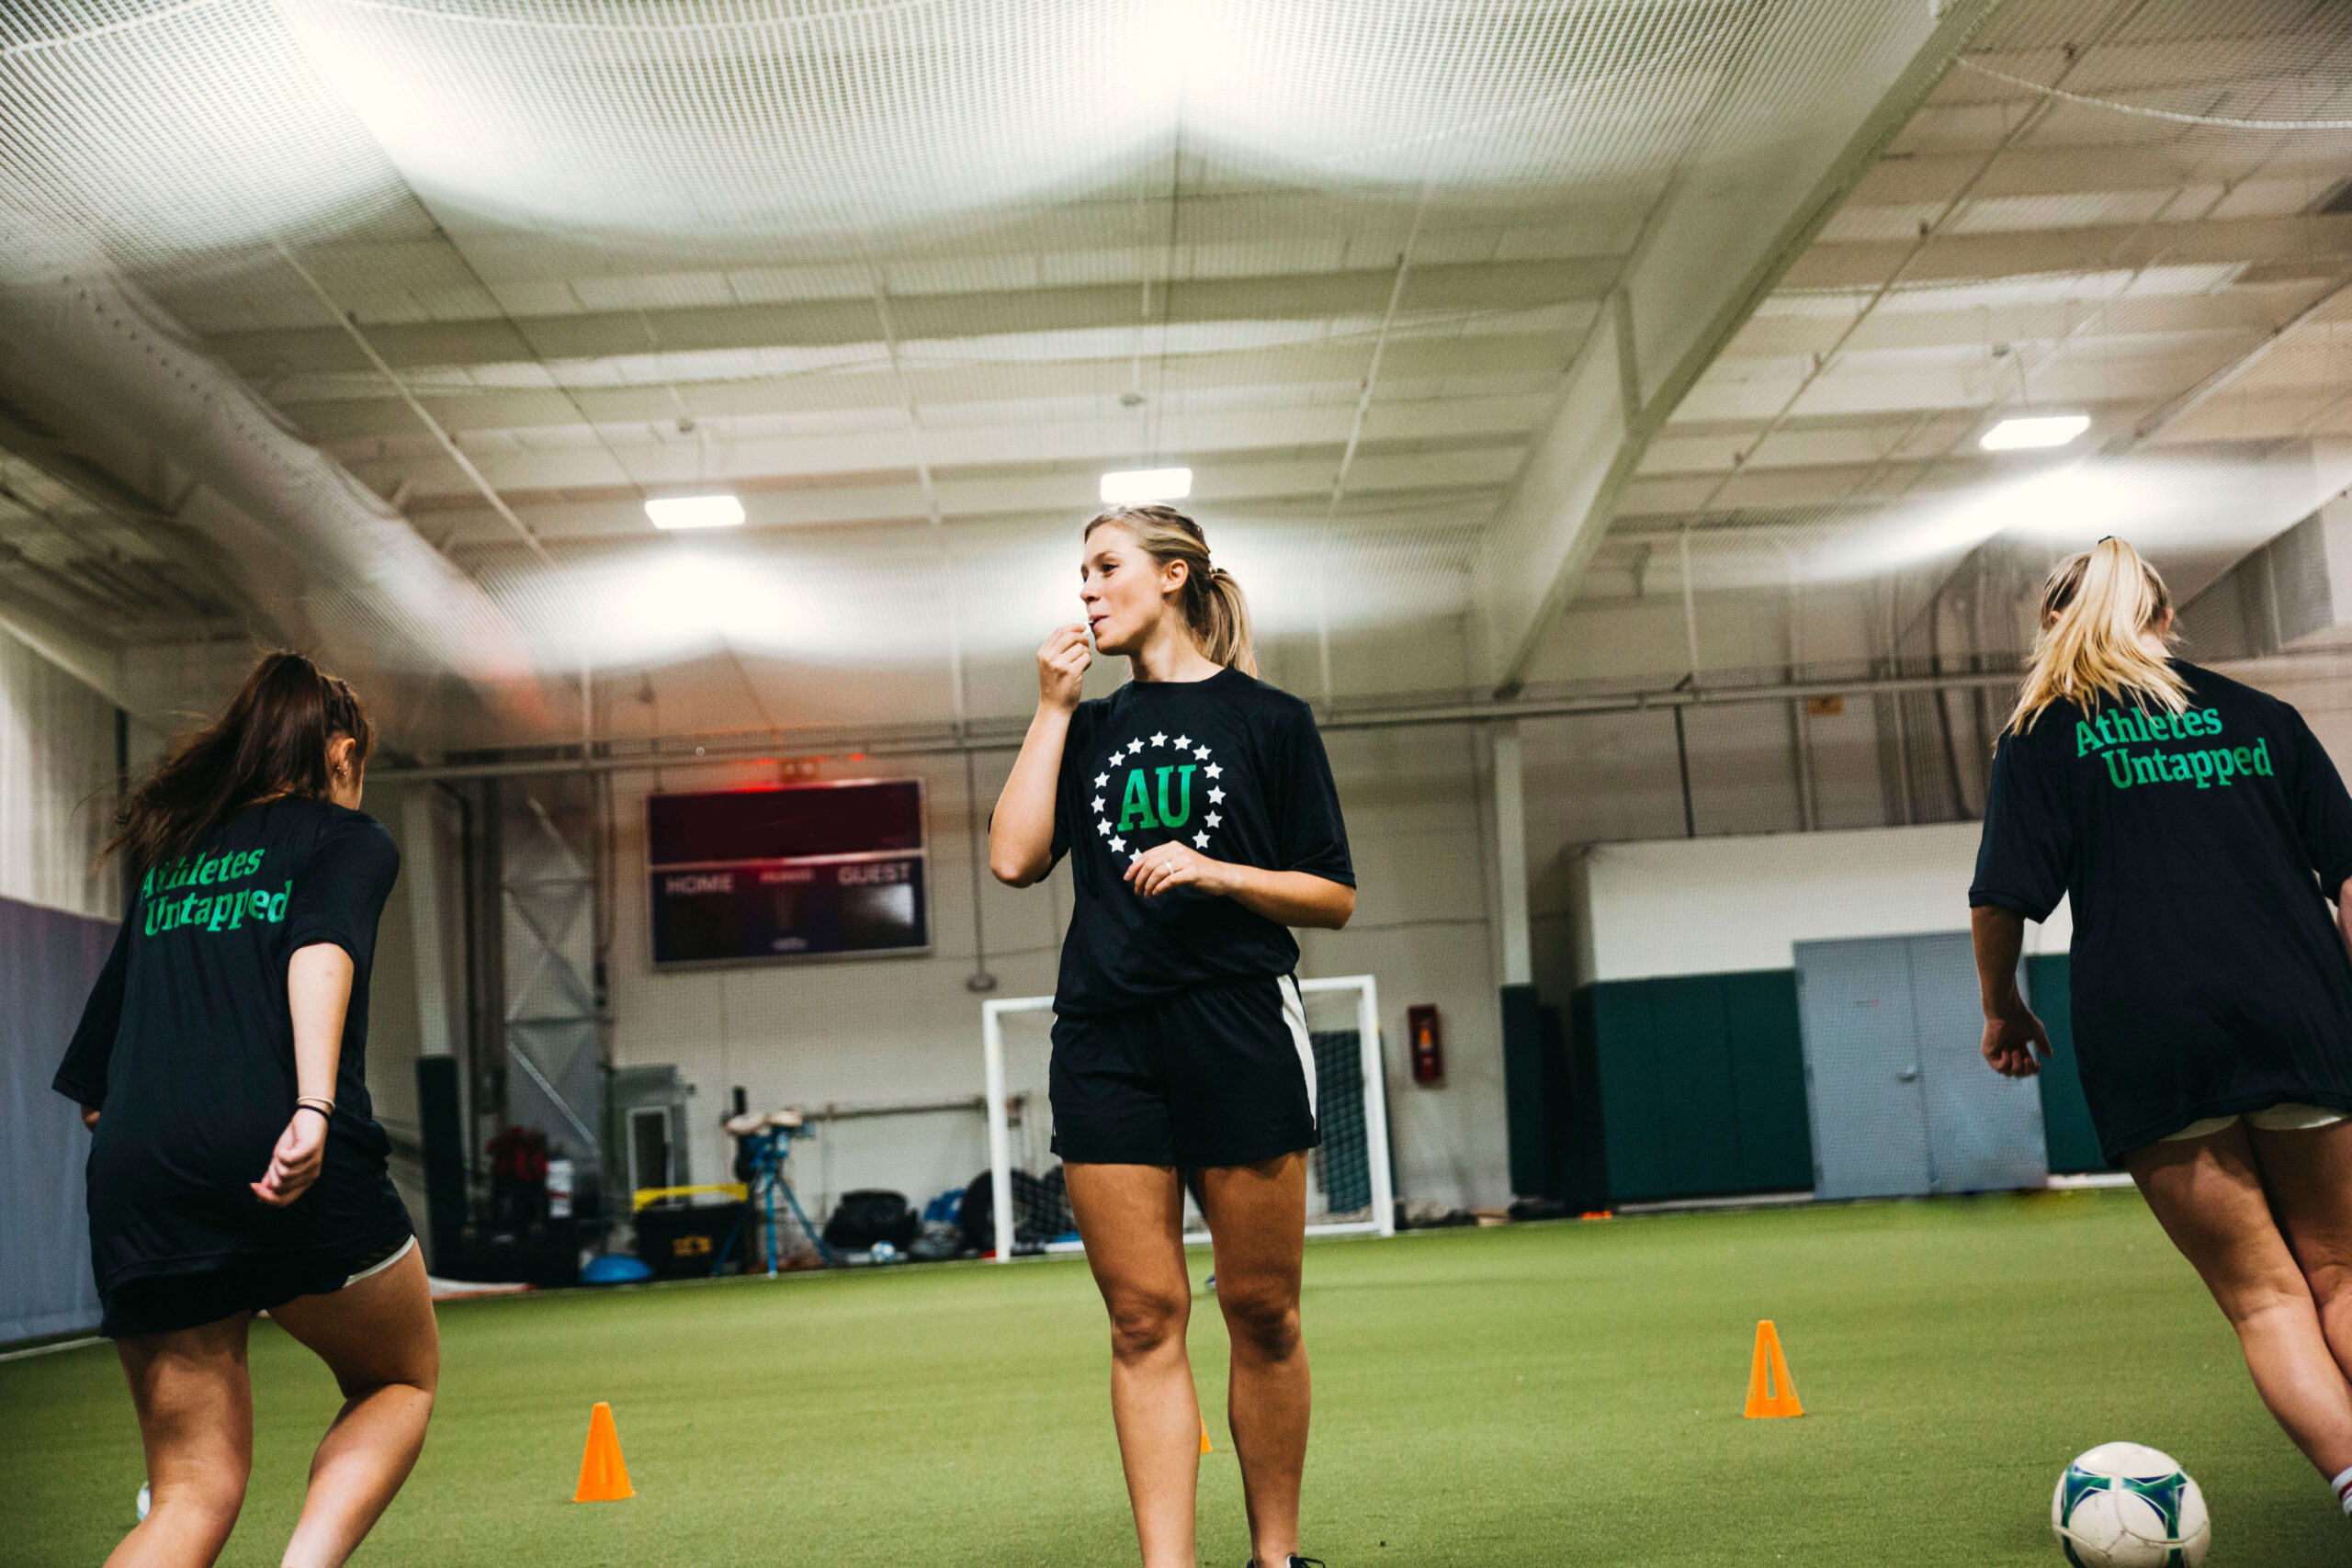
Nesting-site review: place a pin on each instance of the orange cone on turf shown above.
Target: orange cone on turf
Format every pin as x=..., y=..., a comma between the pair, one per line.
x=603, y=1477
x=1204, y=1437
x=1770, y=1392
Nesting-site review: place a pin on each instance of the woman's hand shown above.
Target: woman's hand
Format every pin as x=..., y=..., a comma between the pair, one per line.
x=2013, y=1038
x=1171, y=865
x=1062, y=668
x=294, y=1163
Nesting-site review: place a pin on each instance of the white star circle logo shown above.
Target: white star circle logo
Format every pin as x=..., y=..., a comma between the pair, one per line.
x=1120, y=755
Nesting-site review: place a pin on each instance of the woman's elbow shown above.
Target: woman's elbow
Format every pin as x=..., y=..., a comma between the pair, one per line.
x=1340, y=910
x=1014, y=872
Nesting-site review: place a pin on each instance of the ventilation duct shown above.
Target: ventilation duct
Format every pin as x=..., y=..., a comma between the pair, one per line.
x=2294, y=591
x=92, y=344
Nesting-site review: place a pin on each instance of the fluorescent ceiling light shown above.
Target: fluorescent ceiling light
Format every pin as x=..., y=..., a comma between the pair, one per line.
x=2044, y=430
x=1129, y=486
x=695, y=511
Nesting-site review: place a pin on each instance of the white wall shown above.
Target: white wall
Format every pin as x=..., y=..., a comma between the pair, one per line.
x=1713, y=905
x=877, y=1030
x=57, y=785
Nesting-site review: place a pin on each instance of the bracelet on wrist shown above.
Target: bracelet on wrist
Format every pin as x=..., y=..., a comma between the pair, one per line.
x=317, y=1102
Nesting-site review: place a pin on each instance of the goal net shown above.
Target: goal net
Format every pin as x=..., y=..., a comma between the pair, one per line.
x=1349, y=1186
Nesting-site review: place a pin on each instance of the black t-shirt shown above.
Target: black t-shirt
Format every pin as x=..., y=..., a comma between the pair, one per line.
x=1234, y=768
x=187, y=1048
x=2199, y=851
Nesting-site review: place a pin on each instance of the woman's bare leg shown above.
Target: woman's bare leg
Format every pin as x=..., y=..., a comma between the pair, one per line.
x=196, y=1419
x=2308, y=1176
x=1257, y=1215
x=379, y=1340
x=1132, y=1219
x=2208, y=1193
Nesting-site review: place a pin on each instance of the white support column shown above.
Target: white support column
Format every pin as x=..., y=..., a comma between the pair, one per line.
x=1510, y=855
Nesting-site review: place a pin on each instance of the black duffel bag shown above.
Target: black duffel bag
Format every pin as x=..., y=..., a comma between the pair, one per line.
x=861, y=1219
x=1040, y=1209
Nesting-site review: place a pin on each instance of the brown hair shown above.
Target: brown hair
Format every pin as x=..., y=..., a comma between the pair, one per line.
x=1214, y=608
x=271, y=740
x=2094, y=608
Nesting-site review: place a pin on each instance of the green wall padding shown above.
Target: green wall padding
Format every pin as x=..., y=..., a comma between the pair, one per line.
x=1768, y=1065
x=2066, y=1115
x=1701, y=1080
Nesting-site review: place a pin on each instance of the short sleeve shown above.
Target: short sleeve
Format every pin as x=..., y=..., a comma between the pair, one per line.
x=2323, y=809
x=1309, y=834
x=339, y=893
x=81, y=1077
x=2029, y=842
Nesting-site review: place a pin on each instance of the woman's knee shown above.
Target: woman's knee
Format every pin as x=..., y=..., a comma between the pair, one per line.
x=1264, y=1316
x=209, y=1487
x=1144, y=1322
x=2260, y=1293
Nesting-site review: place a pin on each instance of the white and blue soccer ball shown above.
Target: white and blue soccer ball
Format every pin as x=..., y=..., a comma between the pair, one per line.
x=883, y=1252
x=2125, y=1505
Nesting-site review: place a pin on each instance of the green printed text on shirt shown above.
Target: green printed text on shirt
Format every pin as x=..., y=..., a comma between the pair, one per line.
x=213, y=911
x=2113, y=732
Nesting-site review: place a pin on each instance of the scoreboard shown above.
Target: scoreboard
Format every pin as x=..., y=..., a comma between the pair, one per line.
x=831, y=870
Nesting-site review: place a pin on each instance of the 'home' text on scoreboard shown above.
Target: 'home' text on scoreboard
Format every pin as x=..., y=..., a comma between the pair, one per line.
x=831, y=870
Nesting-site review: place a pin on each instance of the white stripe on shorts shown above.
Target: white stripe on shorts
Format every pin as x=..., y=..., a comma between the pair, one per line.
x=1294, y=1014
x=373, y=1269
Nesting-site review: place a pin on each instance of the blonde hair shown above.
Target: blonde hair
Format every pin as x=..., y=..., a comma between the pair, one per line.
x=2095, y=609
x=1215, y=611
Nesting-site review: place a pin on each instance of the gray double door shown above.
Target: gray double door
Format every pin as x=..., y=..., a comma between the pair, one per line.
x=1902, y=1101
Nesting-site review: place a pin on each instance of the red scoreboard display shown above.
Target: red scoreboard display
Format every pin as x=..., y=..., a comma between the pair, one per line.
x=805, y=871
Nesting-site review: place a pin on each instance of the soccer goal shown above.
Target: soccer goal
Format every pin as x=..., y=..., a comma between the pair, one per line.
x=1350, y=1188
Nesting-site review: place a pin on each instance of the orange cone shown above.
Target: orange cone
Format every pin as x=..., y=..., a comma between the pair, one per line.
x=1770, y=1392
x=604, y=1476
x=1204, y=1437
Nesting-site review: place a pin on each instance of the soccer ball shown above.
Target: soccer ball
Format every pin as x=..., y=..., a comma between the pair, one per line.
x=2122, y=1506
x=884, y=1253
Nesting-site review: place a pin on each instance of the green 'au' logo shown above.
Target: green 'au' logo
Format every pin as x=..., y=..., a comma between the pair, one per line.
x=1159, y=797
x=1135, y=808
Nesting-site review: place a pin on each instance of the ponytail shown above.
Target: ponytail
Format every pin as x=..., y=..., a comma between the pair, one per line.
x=1215, y=610
x=271, y=740
x=2095, y=609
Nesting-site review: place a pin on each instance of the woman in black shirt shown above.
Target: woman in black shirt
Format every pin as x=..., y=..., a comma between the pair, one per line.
x=1198, y=809
x=2201, y=832
x=234, y=1167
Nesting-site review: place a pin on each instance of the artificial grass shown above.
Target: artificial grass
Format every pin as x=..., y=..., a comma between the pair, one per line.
x=1566, y=1393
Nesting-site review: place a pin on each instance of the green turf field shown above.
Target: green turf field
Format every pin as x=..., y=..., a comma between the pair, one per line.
x=1565, y=1393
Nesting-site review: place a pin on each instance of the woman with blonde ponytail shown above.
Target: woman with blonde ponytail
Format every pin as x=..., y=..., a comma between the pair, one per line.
x=2201, y=834
x=1199, y=814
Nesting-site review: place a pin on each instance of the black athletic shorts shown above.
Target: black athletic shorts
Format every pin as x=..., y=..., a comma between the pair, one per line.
x=1220, y=1076
x=254, y=1281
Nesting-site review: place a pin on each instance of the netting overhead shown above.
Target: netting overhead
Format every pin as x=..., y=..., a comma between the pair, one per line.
x=735, y=125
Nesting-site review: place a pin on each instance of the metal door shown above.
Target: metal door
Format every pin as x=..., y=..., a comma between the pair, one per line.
x=1983, y=1130
x=1862, y=1069
x=1902, y=1102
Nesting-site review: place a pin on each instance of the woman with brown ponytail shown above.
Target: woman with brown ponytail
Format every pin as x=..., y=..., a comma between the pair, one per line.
x=2201, y=834
x=1198, y=809
x=235, y=1166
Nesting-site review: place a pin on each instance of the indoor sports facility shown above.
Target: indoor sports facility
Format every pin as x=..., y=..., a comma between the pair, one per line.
x=1641, y=430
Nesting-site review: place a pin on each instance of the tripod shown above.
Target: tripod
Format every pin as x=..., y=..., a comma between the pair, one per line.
x=762, y=1144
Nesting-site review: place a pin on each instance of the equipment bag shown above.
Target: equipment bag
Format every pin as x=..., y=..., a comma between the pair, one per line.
x=861, y=1219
